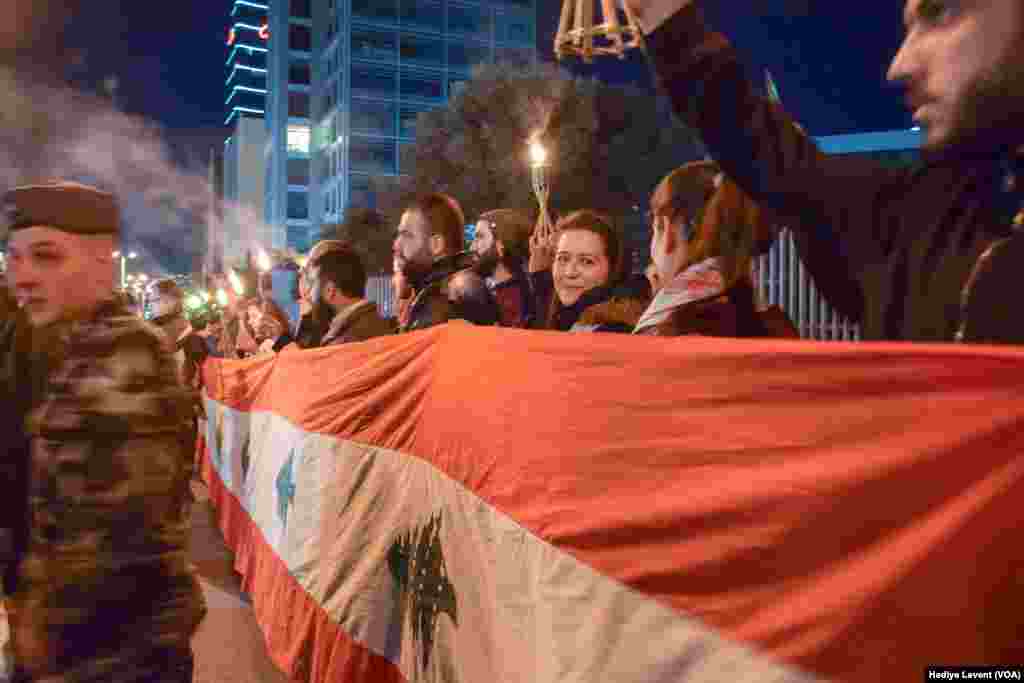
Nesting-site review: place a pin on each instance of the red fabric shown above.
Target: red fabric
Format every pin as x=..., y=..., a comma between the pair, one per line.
x=849, y=508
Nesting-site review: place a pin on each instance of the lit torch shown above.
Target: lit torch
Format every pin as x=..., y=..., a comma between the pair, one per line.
x=538, y=163
x=264, y=283
x=222, y=298
x=236, y=283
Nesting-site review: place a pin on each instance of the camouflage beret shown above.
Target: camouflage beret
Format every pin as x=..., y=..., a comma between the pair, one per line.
x=64, y=205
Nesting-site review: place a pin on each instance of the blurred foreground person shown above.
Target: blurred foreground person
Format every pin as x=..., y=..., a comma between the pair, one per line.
x=427, y=248
x=337, y=293
x=104, y=592
x=705, y=234
x=501, y=249
x=890, y=248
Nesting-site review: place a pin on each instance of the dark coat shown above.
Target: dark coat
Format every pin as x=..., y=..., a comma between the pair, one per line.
x=600, y=309
x=732, y=314
x=358, y=324
x=449, y=292
x=105, y=591
x=890, y=248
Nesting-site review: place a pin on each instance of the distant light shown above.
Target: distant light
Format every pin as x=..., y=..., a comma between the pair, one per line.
x=915, y=129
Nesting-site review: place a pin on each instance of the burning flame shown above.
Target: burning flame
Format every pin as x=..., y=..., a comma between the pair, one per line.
x=222, y=297
x=236, y=283
x=538, y=155
x=263, y=261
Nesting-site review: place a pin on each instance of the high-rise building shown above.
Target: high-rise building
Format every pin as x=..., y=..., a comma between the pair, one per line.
x=245, y=84
x=354, y=75
x=287, y=154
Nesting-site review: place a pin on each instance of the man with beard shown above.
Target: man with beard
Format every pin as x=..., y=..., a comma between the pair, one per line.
x=337, y=290
x=306, y=333
x=427, y=248
x=890, y=248
x=104, y=591
x=501, y=248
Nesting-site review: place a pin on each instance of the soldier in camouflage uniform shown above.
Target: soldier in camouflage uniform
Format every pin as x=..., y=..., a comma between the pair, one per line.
x=104, y=592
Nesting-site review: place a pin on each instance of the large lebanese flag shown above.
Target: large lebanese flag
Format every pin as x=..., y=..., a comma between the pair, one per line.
x=494, y=505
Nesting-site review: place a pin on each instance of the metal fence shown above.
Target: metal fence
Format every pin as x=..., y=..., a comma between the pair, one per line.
x=781, y=279
x=378, y=290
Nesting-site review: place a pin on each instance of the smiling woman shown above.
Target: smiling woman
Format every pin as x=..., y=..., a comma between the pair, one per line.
x=578, y=290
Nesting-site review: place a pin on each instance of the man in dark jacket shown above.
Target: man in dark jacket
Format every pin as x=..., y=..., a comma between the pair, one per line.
x=427, y=247
x=501, y=247
x=889, y=248
x=104, y=592
x=337, y=290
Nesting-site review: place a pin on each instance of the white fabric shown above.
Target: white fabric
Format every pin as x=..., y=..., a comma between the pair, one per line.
x=698, y=282
x=527, y=611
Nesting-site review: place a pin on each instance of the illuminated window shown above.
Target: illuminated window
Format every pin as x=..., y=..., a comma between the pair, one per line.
x=298, y=139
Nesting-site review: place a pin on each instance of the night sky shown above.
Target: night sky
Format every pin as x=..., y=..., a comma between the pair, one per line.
x=829, y=64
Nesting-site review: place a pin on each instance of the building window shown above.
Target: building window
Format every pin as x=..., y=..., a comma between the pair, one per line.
x=298, y=105
x=466, y=20
x=376, y=10
x=298, y=237
x=422, y=51
x=301, y=8
x=298, y=171
x=300, y=38
x=360, y=192
x=374, y=45
x=300, y=73
x=424, y=15
x=514, y=29
x=467, y=55
x=421, y=86
x=377, y=118
x=372, y=156
x=514, y=56
x=407, y=122
x=373, y=81
x=298, y=205
x=298, y=139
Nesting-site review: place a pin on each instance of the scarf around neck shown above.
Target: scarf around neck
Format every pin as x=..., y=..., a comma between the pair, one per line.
x=698, y=282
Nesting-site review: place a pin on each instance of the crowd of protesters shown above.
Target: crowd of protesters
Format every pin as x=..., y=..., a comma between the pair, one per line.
x=520, y=272
x=99, y=407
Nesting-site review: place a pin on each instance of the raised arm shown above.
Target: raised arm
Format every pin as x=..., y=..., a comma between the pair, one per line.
x=837, y=207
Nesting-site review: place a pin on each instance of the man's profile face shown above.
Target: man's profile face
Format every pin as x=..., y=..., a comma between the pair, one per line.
x=963, y=69
x=411, y=247
x=53, y=274
x=485, y=249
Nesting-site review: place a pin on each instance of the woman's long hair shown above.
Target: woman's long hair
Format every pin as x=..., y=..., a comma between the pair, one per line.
x=728, y=224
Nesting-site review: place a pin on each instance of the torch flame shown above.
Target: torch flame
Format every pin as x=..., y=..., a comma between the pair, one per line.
x=263, y=260
x=538, y=155
x=222, y=297
x=236, y=283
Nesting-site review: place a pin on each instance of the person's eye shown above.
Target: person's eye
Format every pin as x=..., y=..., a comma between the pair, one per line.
x=936, y=12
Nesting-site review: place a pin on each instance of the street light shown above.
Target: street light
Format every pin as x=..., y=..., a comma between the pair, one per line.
x=124, y=263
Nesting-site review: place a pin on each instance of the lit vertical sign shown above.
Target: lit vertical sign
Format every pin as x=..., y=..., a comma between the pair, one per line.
x=231, y=37
x=265, y=31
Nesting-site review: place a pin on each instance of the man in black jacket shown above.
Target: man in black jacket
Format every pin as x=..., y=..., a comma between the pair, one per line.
x=889, y=248
x=428, y=246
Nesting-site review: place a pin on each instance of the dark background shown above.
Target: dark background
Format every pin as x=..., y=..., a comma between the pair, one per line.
x=828, y=58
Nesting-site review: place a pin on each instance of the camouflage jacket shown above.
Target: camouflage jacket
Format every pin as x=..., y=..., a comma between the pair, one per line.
x=105, y=592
